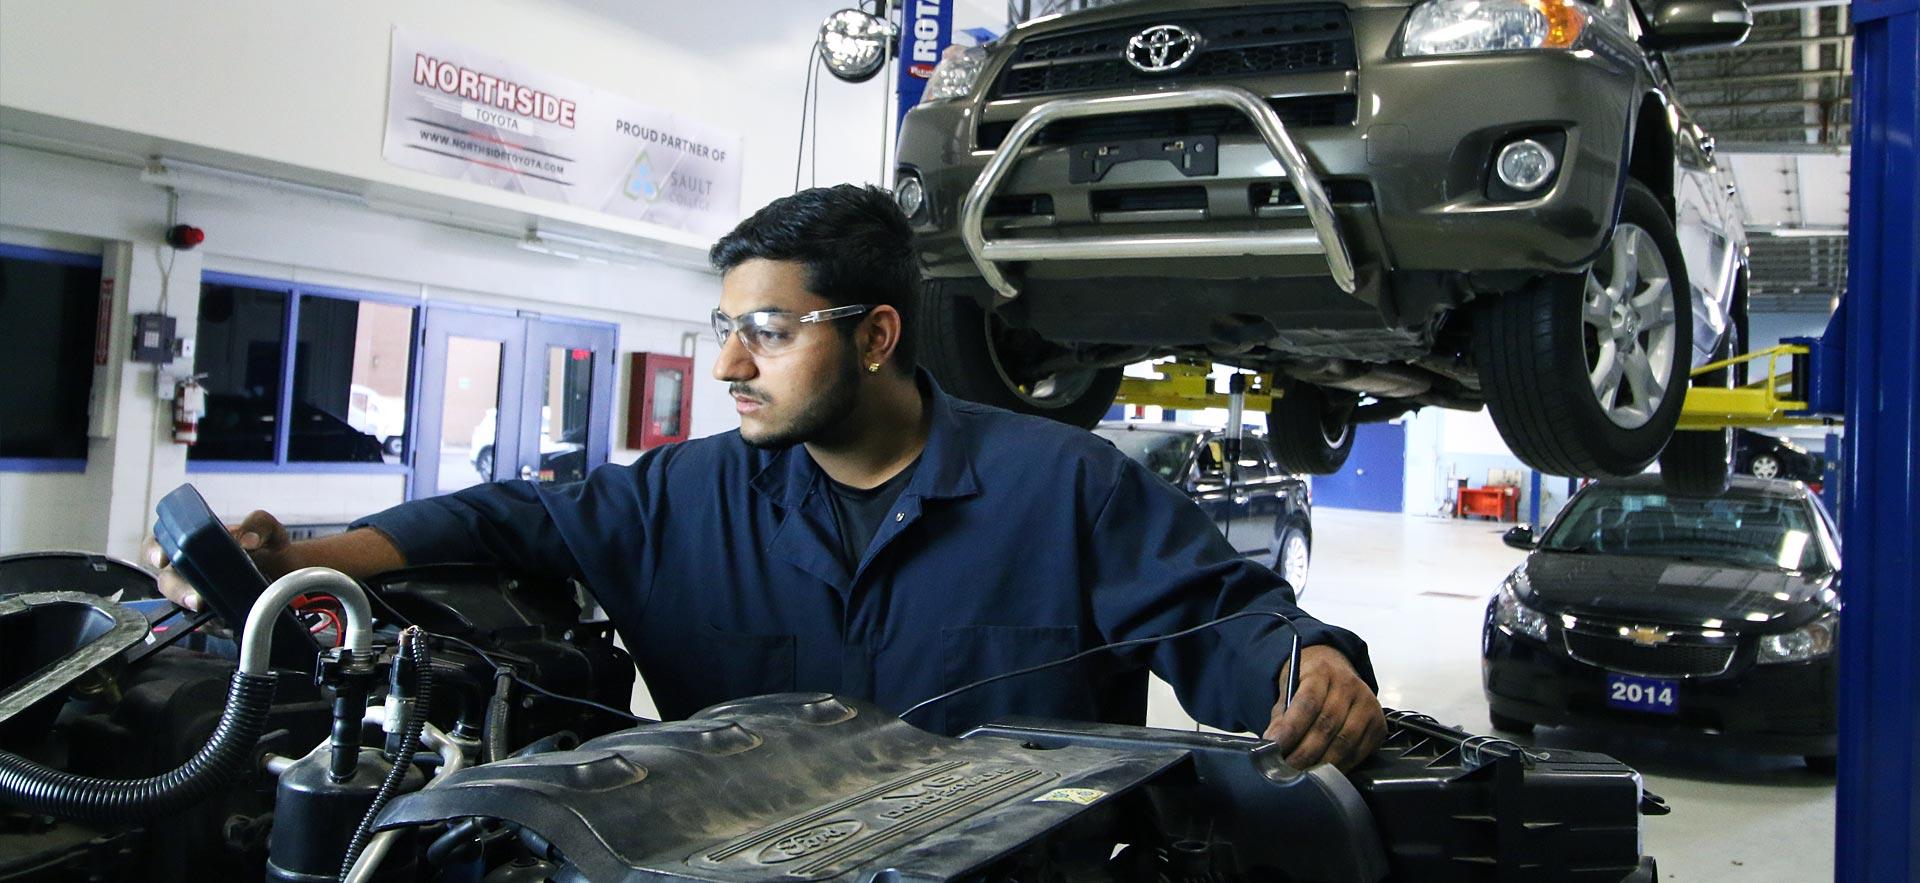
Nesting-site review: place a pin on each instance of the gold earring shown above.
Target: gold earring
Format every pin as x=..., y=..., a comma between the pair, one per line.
x=873, y=367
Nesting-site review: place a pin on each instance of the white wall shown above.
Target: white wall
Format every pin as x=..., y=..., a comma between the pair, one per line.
x=303, y=86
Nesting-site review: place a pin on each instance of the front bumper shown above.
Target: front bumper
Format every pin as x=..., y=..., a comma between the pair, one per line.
x=1407, y=175
x=1787, y=708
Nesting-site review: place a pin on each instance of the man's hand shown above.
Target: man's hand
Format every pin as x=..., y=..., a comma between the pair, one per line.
x=1335, y=718
x=263, y=537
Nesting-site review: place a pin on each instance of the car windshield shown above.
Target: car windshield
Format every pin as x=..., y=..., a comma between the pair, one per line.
x=1165, y=453
x=1027, y=10
x=1746, y=531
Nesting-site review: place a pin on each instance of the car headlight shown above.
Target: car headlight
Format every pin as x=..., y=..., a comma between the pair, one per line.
x=956, y=74
x=1512, y=614
x=1810, y=641
x=1459, y=27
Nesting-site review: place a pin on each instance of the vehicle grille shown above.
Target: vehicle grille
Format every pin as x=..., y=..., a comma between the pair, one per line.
x=1299, y=112
x=1676, y=658
x=1145, y=199
x=1235, y=44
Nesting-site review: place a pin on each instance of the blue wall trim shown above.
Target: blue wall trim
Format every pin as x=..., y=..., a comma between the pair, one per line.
x=49, y=256
x=32, y=464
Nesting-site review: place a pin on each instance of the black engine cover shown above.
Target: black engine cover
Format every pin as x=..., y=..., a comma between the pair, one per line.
x=795, y=787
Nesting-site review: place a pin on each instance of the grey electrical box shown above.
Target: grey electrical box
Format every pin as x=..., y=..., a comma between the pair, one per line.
x=153, y=338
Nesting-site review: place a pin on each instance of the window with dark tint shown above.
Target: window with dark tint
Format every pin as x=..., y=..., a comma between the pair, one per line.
x=240, y=341
x=351, y=365
x=48, y=306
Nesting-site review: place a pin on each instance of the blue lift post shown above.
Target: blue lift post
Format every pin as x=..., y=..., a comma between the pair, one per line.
x=1879, y=783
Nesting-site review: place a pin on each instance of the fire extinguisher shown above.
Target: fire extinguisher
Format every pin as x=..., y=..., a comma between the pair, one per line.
x=189, y=405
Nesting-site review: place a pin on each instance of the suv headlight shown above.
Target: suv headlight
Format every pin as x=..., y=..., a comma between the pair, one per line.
x=956, y=74
x=1810, y=641
x=1510, y=613
x=1460, y=27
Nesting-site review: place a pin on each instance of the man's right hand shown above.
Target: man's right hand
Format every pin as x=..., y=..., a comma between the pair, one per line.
x=263, y=537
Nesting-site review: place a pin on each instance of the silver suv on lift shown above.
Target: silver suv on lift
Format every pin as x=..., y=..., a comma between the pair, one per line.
x=1384, y=204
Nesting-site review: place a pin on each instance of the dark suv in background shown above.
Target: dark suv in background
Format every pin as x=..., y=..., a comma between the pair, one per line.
x=1265, y=511
x=1385, y=205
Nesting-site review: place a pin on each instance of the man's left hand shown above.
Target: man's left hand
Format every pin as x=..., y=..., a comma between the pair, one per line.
x=1335, y=717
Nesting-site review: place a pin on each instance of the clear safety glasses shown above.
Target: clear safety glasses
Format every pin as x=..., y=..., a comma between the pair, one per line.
x=774, y=332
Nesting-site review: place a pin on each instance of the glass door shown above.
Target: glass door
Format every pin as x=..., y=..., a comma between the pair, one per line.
x=507, y=396
x=570, y=374
x=468, y=361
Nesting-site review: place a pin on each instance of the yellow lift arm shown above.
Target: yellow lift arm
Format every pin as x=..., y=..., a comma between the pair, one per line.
x=1183, y=386
x=1763, y=402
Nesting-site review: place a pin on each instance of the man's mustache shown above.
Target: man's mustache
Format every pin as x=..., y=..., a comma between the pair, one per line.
x=744, y=391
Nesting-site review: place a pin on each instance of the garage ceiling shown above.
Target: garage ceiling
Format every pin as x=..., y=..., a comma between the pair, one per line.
x=1780, y=108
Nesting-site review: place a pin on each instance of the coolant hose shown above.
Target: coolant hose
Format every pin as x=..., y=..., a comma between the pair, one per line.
x=228, y=754
x=41, y=789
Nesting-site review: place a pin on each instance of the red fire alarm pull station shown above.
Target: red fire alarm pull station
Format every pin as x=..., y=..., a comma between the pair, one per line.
x=659, y=399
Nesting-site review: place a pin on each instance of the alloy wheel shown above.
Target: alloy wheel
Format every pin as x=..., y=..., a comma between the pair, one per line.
x=1293, y=562
x=1628, y=318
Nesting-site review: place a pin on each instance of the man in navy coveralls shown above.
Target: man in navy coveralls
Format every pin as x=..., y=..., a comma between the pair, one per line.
x=865, y=534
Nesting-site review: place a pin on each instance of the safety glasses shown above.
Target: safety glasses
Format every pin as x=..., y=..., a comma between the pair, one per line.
x=774, y=332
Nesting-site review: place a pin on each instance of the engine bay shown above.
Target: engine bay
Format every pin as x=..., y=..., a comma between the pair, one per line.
x=455, y=723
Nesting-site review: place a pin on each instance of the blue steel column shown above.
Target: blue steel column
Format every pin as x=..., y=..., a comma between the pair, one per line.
x=1879, y=783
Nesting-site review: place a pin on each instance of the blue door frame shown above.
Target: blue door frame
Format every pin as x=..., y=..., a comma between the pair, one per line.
x=524, y=342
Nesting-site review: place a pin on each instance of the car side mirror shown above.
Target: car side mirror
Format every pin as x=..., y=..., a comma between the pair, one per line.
x=1520, y=537
x=1679, y=25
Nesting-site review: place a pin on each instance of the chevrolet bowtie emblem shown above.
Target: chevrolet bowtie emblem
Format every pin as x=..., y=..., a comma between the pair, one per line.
x=1648, y=636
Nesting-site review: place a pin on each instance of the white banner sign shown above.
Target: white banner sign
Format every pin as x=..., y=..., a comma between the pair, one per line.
x=458, y=113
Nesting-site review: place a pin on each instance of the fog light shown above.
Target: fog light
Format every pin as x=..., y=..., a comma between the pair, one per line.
x=1525, y=164
x=909, y=195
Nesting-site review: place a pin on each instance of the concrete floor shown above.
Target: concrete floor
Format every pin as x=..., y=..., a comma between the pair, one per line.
x=1415, y=589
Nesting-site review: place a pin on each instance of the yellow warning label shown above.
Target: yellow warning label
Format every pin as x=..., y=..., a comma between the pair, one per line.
x=1081, y=796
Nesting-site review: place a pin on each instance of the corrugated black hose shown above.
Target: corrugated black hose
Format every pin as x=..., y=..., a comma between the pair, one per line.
x=415, y=642
x=498, y=707
x=228, y=755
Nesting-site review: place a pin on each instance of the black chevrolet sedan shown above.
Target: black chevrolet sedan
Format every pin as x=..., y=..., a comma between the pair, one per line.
x=1653, y=612
x=1264, y=511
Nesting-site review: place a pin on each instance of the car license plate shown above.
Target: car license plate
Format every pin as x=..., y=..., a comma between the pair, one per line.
x=1656, y=695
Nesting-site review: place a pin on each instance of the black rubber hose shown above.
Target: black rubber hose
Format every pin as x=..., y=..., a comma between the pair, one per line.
x=228, y=755
x=410, y=729
x=498, y=707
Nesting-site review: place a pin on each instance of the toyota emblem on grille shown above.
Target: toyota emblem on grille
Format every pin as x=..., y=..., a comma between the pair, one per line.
x=1648, y=636
x=1162, y=48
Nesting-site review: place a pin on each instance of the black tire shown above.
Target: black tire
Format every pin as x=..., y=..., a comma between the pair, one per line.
x=1698, y=462
x=1533, y=349
x=483, y=463
x=393, y=445
x=1509, y=724
x=1766, y=466
x=977, y=357
x=1310, y=430
x=1701, y=461
x=1283, y=547
x=1822, y=764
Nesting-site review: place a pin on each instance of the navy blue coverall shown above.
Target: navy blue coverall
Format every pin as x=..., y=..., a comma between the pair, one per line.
x=1017, y=541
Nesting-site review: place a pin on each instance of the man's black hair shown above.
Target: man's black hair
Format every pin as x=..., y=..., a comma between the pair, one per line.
x=855, y=243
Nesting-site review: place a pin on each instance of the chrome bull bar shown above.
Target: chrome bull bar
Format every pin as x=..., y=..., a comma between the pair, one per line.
x=1323, y=239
